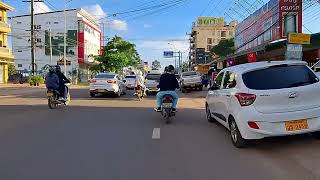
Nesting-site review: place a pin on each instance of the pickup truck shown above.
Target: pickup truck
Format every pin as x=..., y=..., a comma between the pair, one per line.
x=190, y=80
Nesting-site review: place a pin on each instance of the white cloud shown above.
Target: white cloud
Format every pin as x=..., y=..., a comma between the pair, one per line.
x=118, y=25
x=40, y=7
x=96, y=11
x=147, y=26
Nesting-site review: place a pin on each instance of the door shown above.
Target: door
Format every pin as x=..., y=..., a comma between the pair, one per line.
x=228, y=86
x=213, y=95
x=1, y=73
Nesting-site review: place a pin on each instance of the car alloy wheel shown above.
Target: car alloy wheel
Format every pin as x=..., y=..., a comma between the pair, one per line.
x=209, y=117
x=237, y=139
x=233, y=131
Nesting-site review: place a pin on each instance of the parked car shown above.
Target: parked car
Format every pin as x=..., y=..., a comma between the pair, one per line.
x=107, y=83
x=265, y=99
x=130, y=81
x=190, y=80
x=152, y=82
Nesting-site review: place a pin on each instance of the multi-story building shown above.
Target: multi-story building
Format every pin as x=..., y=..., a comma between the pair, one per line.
x=6, y=56
x=206, y=33
x=84, y=41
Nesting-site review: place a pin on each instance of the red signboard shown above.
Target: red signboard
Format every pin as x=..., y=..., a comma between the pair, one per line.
x=252, y=57
x=80, y=47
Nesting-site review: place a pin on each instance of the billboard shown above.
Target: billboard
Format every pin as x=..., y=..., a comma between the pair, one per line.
x=210, y=21
x=271, y=22
x=168, y=54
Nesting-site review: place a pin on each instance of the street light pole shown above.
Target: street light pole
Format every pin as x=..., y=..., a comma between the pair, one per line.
x=65, y=39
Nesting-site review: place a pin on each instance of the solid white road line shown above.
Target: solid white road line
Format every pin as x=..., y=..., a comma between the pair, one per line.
x=156, y=133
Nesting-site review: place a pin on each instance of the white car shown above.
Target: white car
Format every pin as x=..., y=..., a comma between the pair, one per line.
x=190, y=80
x=130, y=81
x=152, y=82
x=265, y=99
x=106, y=83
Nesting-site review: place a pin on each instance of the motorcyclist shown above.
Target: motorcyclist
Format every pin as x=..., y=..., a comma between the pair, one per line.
x=62, y=81
x=168, y=84
x=52, y=80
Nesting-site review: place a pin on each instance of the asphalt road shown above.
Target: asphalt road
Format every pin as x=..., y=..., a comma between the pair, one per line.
x=109, y=138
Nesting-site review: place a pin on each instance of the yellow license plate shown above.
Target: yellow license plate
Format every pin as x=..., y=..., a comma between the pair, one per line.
x=49, y=93
x=167, y=105
x=296, y=125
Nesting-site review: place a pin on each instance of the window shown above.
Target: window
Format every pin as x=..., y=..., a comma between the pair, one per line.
x=1, y=44
x=56, y=23
x=38, y=40
x=209, y=47
x=279, y=77
x=229, y=80
x=19, y=65
x=106, y=76
x=209, y=40
x=290, y=23
x=19, y=22
x=155, y=77
x=223, y=34
x=186, y=74
x=19, y=51
x=48, y=22
x=218, y=79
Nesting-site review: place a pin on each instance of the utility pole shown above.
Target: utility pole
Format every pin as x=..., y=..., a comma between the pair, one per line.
x=33, y=59
x=50, y=42
x=65, y=39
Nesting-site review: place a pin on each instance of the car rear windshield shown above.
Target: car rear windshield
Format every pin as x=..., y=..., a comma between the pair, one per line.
x=155, y=77
x=279, y=77
x=130, y=77
x=106, y=76
x=189, y=74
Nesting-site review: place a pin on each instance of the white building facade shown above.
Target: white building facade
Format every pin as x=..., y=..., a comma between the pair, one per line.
x=84, y=41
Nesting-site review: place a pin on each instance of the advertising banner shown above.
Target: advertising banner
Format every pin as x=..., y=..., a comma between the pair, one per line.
x=210, y=21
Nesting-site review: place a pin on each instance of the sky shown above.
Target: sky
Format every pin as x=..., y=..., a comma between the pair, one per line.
x=164, y=25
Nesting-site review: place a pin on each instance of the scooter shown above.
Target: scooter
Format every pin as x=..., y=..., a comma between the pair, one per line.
x=166, y=108
x=53, y=97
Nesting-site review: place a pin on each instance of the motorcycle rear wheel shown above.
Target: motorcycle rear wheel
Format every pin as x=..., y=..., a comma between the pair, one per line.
x=51, y=103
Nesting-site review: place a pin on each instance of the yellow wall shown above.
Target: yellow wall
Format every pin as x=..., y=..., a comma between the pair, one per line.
x=6, y=73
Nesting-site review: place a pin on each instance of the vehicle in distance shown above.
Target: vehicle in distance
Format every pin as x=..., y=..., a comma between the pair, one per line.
x=130, y=81
x=190, y=80
x=265, y=99
x=152, y=82
x=107, y=83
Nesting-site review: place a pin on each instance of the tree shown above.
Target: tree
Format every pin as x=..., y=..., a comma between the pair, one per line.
x=224, y=48
x=12, y=69
x=185, y=66
x=116, y=55
x=156, y=64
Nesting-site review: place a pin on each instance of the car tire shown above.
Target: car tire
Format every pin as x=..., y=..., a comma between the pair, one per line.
x=118, y=94
x=316, y=135
x=92, y=94
x=236, y=138
x=183, y=90
x=210, y=119
x=200, y=88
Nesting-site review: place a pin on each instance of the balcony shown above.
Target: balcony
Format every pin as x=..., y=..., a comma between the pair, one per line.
x=5, y=53
x=4, y=27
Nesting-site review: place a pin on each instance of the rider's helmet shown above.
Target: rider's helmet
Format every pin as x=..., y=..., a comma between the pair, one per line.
x=170, y=69
x=51, y=70
x=58, y=68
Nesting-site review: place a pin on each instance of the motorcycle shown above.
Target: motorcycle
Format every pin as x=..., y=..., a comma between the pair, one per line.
x=139, y=92
x=53, y=98
x=166, y=108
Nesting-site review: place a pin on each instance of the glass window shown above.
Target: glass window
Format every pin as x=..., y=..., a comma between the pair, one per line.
x=106, y=76
x=130, y=77
x=155, y=77
x=19, y=65
x=223, y=34
x=290, y=23
x=218, y=79
x=209, y=40
x=229, y=80
x=209, y=47
x=192, y=73
x=279, y=77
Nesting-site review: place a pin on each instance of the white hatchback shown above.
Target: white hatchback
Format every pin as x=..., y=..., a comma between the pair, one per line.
x=106, y=83
x=265, y=99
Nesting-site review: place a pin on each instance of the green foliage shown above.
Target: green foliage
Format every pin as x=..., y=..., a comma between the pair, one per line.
x=185, y=66
x=224, y=48
x=156, y=65
x=116, y=55
x=35, y=80
x=12, y=69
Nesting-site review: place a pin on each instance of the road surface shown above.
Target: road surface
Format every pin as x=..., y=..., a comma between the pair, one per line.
x=109, y=138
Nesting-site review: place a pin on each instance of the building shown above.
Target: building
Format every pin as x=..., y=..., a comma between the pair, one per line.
x=6, y=56
x=206, y=33
x=84, y=40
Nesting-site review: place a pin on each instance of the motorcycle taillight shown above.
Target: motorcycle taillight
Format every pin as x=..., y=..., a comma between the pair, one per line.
x=167, y=99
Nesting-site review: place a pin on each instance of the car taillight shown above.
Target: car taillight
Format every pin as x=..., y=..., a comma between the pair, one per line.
x=112, y=81
x=253, y=125
x=92, y=81
x=245, y=99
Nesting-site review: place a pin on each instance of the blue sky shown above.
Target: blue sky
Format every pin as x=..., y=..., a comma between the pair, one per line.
x=152, y=32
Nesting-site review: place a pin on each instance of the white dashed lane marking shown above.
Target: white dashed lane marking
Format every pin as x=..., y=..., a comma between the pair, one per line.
x=156, y=133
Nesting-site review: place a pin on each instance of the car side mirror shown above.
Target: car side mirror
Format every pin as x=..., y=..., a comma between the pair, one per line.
x=214, y=86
